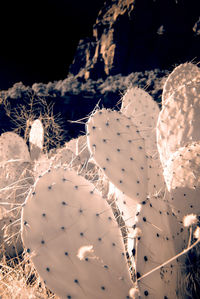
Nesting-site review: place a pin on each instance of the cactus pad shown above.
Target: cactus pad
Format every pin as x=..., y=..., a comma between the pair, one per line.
x=184, y=74
x=117, y=147
x=73, y=238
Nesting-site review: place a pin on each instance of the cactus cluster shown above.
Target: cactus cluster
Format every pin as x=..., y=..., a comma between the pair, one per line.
x=114, y=214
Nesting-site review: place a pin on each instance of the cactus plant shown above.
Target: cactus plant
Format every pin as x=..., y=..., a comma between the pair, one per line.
x=118, y=148
x=74, y=239
x=66, y=214
x=184, y=74
x=179, y=121
x=162, y=237
x=144, y=111
x=16, y=179
x=182, y=178
x=36, y=139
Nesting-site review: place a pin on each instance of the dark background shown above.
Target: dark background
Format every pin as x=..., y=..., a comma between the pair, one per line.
x=39, y=38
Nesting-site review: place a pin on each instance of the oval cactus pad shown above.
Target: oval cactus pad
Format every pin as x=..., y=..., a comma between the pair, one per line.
x=118, y=148
x=73, y=238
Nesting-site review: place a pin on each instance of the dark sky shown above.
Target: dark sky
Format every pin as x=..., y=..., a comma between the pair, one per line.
x=39, y=38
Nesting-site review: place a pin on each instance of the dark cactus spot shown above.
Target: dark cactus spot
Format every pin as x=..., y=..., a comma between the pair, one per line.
x=138, y=275
x=146, y=293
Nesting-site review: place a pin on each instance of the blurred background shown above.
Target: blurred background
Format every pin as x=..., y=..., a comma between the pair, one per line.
x=39, y=38
x=72, y=55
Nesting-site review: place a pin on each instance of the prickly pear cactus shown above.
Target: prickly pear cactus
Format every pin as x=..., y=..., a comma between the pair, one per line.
x=13, y=147
x=82, y=148
x=159, y=236
x=68, y=228
x=117, y=147
x=16, y=179
x=179, y=121
x=182, y=178
x=73, y=238
x=183, y=167
x=184, y=74
x=36, y=139
x=144, y=111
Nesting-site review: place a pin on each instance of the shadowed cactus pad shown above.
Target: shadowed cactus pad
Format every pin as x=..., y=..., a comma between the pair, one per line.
x=184, y=74
x=144, y=111
x=15, y=182
x=161, y=237
x=73, y=238
x=179, y=121
x=183, y=167
x=13, y=147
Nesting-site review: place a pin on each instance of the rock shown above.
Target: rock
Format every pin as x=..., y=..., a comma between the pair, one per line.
x=137, y=35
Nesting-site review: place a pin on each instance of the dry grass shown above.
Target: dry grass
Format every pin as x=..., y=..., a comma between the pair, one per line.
x=34, y=107
x=19, y=280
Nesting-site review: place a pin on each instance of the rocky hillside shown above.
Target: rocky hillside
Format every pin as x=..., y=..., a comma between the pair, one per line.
x=137, y=35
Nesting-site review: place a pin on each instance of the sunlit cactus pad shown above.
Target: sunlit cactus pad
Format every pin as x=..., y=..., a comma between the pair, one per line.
x=73, y=238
